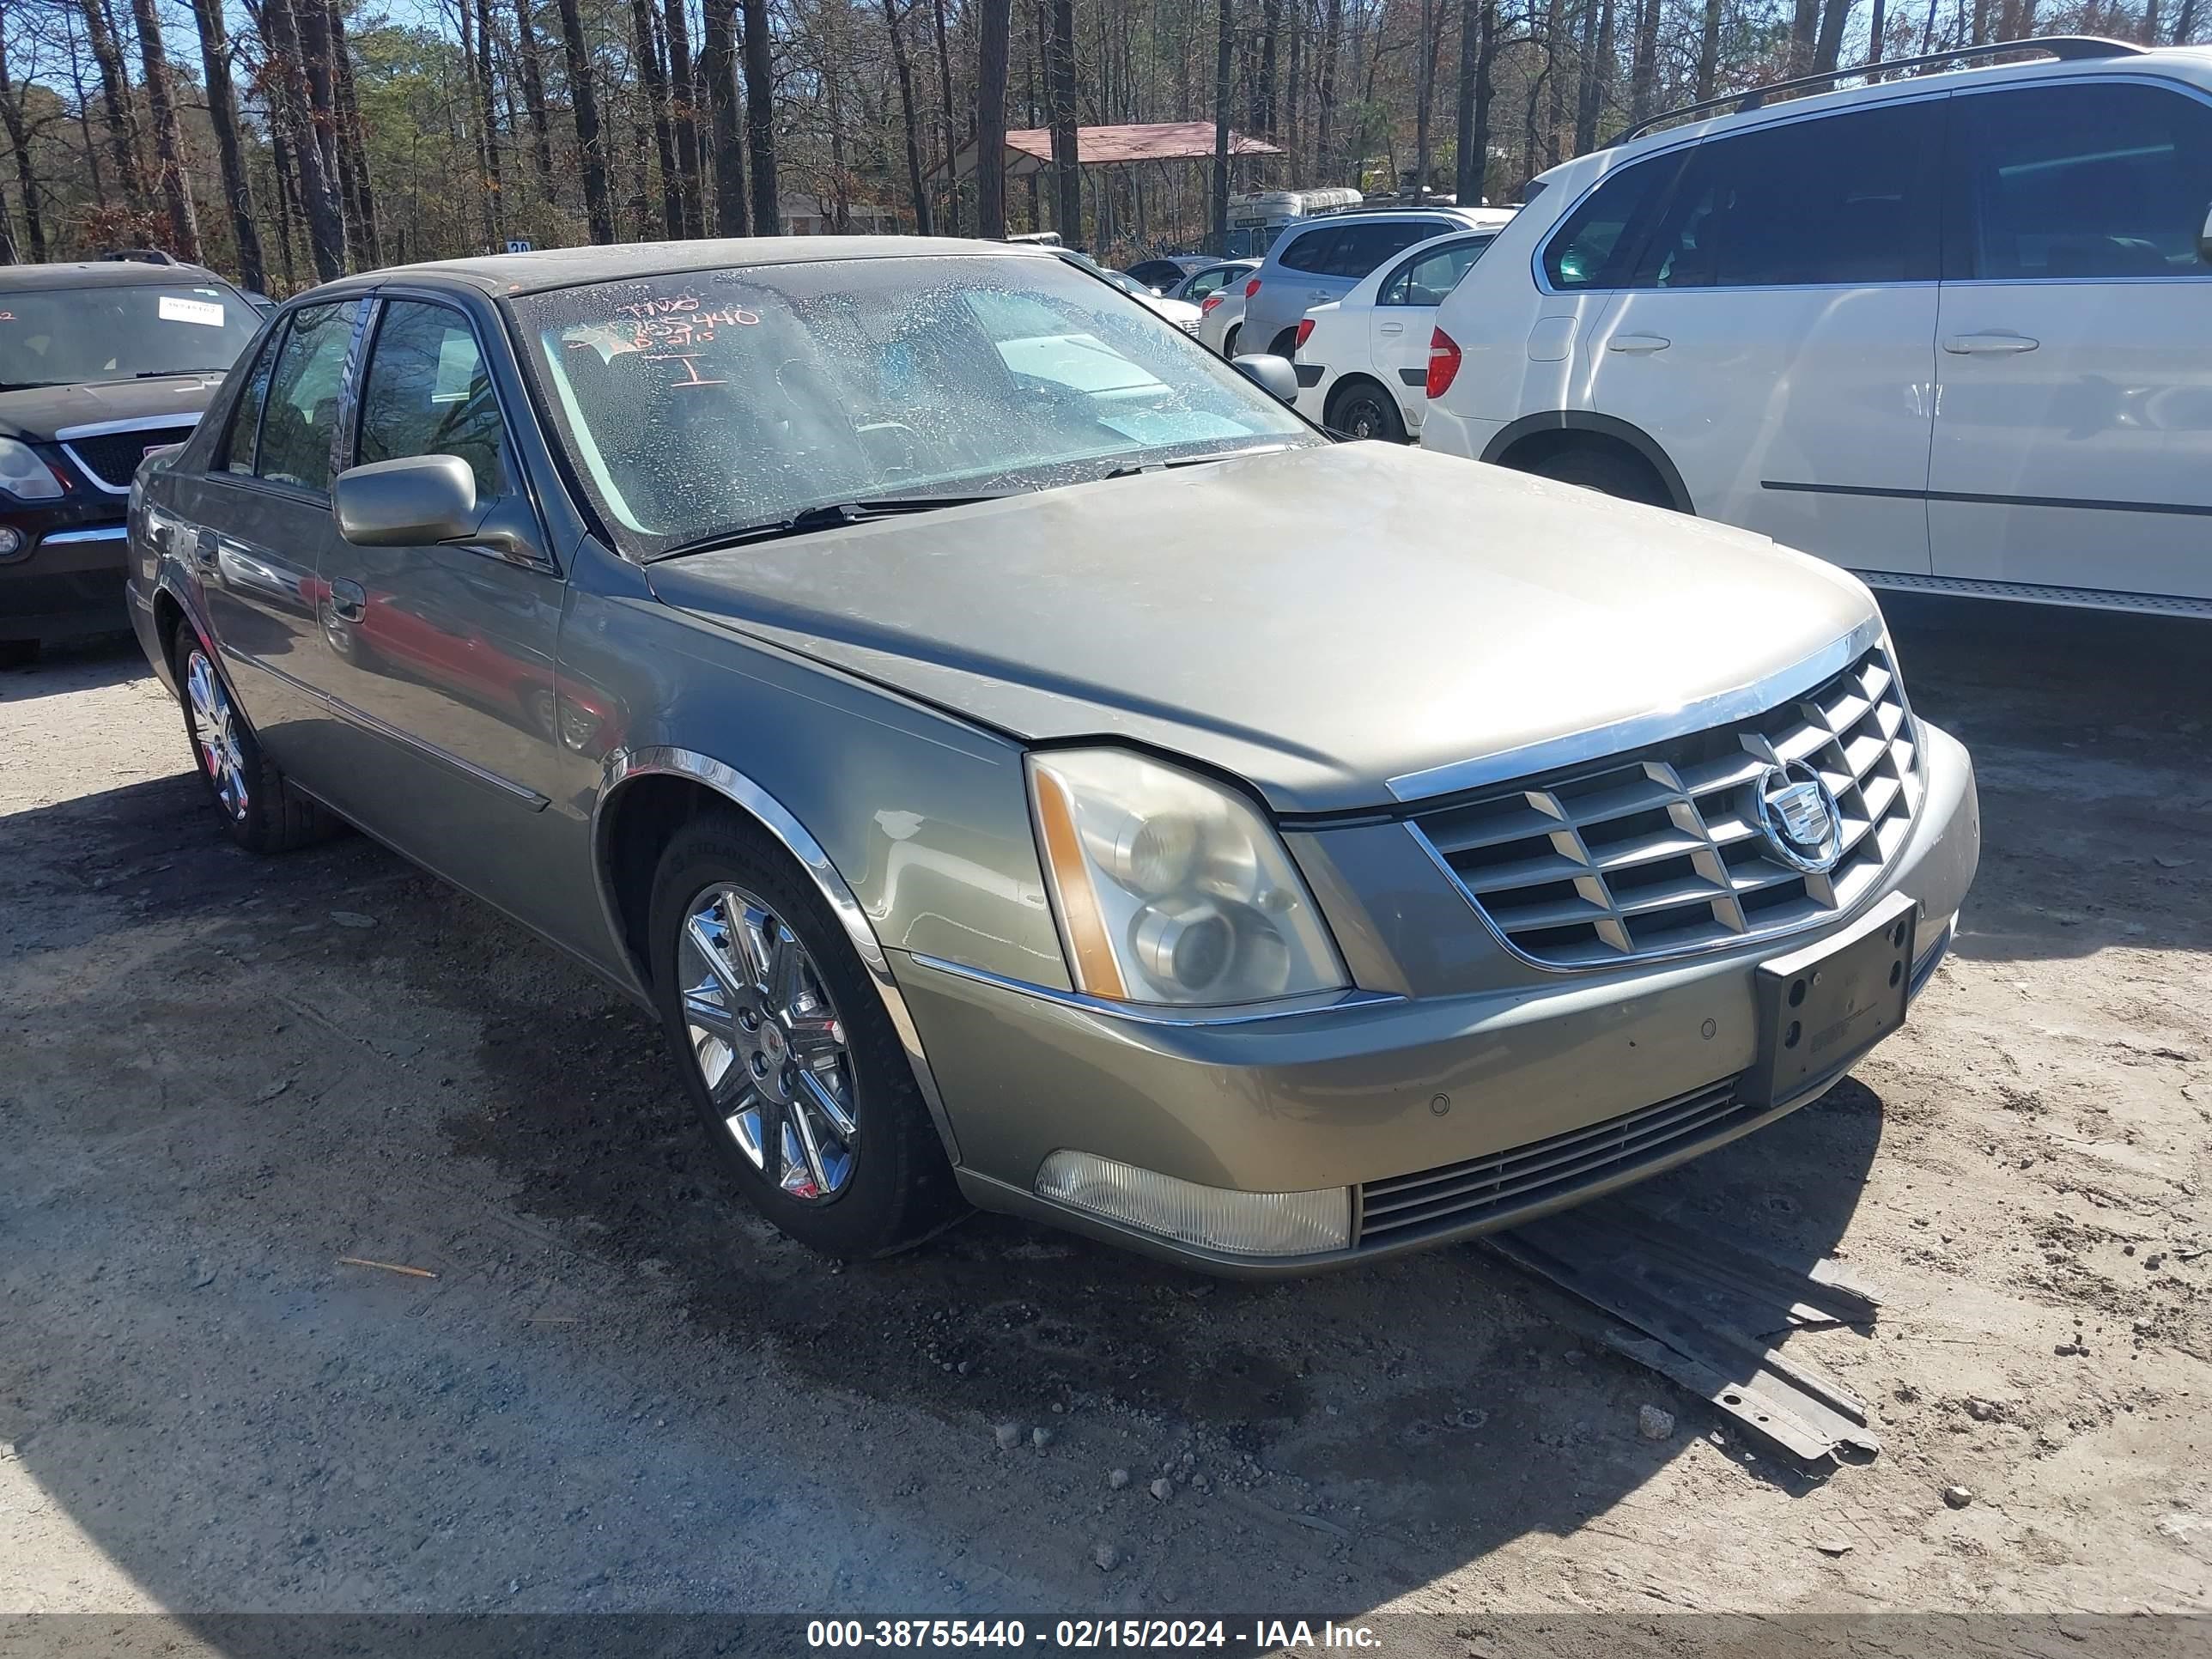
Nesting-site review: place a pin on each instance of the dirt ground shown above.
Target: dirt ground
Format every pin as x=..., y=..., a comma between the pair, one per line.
x=219, y=1075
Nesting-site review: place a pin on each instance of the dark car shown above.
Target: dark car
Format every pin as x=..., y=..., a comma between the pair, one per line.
x=99, y=363
x=1166, y=274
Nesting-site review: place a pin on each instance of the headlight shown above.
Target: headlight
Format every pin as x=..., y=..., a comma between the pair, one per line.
x=24, y=476
x=1170, y=889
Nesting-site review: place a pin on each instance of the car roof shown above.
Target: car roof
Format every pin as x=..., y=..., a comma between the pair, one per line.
x=546, y=269
x=105, y=273
x=2152, y=60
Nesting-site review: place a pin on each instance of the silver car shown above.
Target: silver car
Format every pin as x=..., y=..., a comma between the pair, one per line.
x=1019, y=762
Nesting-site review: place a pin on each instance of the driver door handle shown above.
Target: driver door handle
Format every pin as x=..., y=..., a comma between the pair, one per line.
x=348, y=601
x=206, y=549
x=1990, y=344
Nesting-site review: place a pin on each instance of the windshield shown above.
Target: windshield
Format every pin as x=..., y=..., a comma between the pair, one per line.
x=66, y=336
x=704, y=402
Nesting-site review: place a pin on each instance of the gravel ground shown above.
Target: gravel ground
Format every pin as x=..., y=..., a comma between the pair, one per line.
x=622, y=1392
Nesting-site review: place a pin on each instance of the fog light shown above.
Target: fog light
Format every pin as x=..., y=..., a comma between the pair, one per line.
x=1214, y=1217
x=11, y=541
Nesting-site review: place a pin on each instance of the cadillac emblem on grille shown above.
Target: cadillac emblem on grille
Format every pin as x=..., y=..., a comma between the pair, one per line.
x=1799, y=816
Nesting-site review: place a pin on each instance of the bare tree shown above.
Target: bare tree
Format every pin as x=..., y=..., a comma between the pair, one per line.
x=683, y=114
x=27, y=178
x=533, y=94
x=223, y=116
x=1644, y=63
x=353, y=145
x=1225, y=45
x=168, y=139
x=1067, y=141
x=654, y=75
x=1477, y=56
x=598, y=203
x=718, y=53
x=994, y=44
x=115, y=101
x=760, y=120
x=319, y=199
x=917, y=190
x=1835, y=15
x=945, y=110
x=1709, y=51
x=494, y=183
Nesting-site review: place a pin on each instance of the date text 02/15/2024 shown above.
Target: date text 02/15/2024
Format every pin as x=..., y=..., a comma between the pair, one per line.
x=1256, y=1635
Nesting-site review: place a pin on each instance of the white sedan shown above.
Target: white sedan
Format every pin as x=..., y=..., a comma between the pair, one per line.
x=1363, y=361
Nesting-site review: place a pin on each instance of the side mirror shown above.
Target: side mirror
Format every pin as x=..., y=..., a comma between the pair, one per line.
x=415, y=501
x=1273, y=375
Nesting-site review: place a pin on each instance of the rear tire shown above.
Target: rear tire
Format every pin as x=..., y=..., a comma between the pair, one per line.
x=757, y=986
x=1363, y=409
x=1286, y=344
x=1617, y=472
x=262, y=811
x=1228, y=341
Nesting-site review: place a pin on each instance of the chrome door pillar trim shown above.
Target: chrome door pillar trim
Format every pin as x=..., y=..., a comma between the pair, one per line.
x=772, y=816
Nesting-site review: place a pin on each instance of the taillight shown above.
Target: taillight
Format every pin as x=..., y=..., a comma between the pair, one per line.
x=1443, y=362
x=1208, y=303
x=1305, y=333
x=1251, y=288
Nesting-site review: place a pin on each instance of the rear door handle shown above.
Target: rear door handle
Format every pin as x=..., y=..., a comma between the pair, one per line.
x=348, y=601
x=1390, y=328
x=1992, y=345
x=1640, y=345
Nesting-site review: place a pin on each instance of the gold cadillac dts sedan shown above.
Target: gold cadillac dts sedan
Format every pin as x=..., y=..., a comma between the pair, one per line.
x=1019, y=760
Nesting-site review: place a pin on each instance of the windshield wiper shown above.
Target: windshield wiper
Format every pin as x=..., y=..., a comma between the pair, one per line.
x=828, y=515
x=1130, y=469
x=166, y=373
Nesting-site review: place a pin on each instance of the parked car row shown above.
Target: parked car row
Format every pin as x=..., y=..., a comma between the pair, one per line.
x=1952, y=331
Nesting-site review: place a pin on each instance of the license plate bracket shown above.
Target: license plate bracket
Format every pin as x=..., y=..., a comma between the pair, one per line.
x=1822, y=1008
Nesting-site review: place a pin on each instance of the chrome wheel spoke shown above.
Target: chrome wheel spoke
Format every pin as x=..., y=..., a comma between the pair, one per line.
x=814, y=1087
x=768, y=1043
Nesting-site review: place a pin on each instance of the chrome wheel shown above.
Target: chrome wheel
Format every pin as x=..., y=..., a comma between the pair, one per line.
x=769, y=1043
x=215, y=730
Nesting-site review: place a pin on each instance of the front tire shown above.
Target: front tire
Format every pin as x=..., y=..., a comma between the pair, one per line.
x=262, y=811
x=786, y=1050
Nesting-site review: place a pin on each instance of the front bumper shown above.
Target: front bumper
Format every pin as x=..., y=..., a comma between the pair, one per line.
x=68, y=581
x=1602, y=1078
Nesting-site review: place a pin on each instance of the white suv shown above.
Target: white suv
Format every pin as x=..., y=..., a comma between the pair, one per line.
x=1954, y=332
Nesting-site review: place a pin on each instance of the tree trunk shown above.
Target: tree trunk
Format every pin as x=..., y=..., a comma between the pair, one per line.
x=1643, y=67
x=223, y=116
x=353, y=141
x=168, y=139
x=115, y=102
x=683, y=114
x=26, y=178
x=760, y=120
x=494, y=183
x=598, y=203
x=994, y=39
x=1555, y=36
x=718, y=53
x=1425, y=86
x=1478, y=54
x=533, y=94
x=945, y=110
x=917, y=191
x=1804, y=31
x=1528, y=127
x=1708, y=51
x=656, y=97
x=2148, y=32
x=1835, y=15
x=1066, y=165
x=280, y=163
x=1225, y=42
x=2184, y=22
x=319, y=199
x=1332, y=43
x=1878, y=25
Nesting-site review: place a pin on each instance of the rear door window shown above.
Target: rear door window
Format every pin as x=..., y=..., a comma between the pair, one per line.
x=1311, y=252
x=1597, y=244
x=2090, y=180
x=245, y=428
x=1838, y=200
x=1424, y=280
x=301, y=421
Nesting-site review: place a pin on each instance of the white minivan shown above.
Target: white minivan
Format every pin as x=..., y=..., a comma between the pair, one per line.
x=1952, y=331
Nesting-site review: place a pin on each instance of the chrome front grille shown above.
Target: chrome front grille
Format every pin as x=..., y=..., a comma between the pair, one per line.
x=111, y=459
x=1662, y=852
x=1502, y=1185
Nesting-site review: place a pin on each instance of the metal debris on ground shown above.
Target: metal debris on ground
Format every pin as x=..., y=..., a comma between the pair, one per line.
x=1704, y=1307
x=385, y=1266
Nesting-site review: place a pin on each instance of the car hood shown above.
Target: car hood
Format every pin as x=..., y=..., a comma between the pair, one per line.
x=1318, y=621
x=39, y=412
